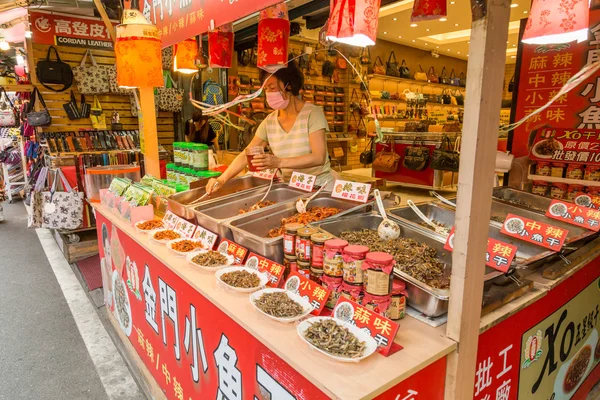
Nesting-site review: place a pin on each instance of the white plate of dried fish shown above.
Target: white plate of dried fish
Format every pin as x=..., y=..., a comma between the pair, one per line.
x=336, y=339
x=210, y=260
x=242, y=279
x=162, y=236
x=280, y=305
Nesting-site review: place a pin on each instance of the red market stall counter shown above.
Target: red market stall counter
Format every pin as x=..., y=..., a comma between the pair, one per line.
x=192, y=339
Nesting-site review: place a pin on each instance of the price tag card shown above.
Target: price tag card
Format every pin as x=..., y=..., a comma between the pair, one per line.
x=539, y=233
x=499, y=255
x=170, y=220
x=274, y=270
x=233, y=249
x=267, y=174
x=587, y=200
x=574, y=214
x=354, y=191
x=184, y=228
x=382, y=329
x=314, y=293
x=207, y=238
x=302, y=181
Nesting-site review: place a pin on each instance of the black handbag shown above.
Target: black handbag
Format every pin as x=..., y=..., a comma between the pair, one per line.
x=416, y=156
x=511, y=84
x=460, y=99
x=366, y=157
x=454, y=80
x=462, y=80
x=365, y=56
x=391, y=68
x=38, y=118
x=86, y=108
x=71, y=108
x=445, y=159
x=328, y=68
x=443, y=77
x=446, y=98
x=404, y=71
x=54, y=72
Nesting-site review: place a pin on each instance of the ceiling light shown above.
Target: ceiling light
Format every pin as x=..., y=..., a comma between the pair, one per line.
x=4, y=44
x=395, y=19
x=425, y=44
x=513, y=56
x=455, y=24
x=514, y=5
x=28, y=34
x=385, y=33
x=437, y=47
x=413, y=40
x=448, y=49
x=399, y=37
x=514, y=45
x=525, y=12
x=468, y=42
x=443, y=19
x=427, y=29
x=452, y=2
x=413, y=25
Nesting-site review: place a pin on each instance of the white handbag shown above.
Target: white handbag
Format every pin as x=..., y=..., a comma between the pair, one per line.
x=8, y=112
x=91, y=79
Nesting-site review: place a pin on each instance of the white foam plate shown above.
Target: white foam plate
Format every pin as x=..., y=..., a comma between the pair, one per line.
x=158, y=242
x=264, y=279
x=562, y=372
x=126, y=329
x=371, y=344
x=182, y=253
x=230, y=261
x=144, y=231
x=306, y=307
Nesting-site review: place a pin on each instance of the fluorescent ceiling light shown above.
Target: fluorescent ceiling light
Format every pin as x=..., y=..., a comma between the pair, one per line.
x=413, y=25
x=443, y=19
x=514, y=5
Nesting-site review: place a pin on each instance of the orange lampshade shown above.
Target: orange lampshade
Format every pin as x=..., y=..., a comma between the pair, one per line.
x=138, y=56
x=184, y=59
x=354, y=22
x=557, y=21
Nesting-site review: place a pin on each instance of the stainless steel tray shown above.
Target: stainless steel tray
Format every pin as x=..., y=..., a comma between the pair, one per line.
x=213, y=213
x=524, y=200
x=250, y=230
x=178, y=203
x=430, y=301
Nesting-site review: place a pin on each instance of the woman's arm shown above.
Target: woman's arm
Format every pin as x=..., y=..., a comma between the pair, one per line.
x=317, y=157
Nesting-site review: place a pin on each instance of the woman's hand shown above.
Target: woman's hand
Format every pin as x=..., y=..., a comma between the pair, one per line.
x=266, y=161
x=214, y=185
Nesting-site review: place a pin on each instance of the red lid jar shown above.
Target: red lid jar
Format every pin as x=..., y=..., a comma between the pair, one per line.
x=573, y=190
x=378, y=304
x=378, y=267
x=353, y=257
x=399, y=296
x=352, y=292
x=558, y=170
x=333, y=262
x=593, y=190
x=332, y=283
x=540, y=188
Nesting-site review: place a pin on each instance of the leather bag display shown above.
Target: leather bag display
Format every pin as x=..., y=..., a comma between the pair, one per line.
x=8, y=112
x=327, y=69
x=97, y=115
x=416, y=156
x=72, y=109
x=387, y=160
x=511, y=84
x=420, y=75
x=404, y=71
x=378, y=67
x=462, y=80
x=54, y=72
x=445, y=158
x=431, y=76
x=391, y=68
x=365, y=56
x=170, y=98
x=91, y=79
x=443, y=78
x=38, y=118
x=366, y=157
x=454, y=80
x=86, y=108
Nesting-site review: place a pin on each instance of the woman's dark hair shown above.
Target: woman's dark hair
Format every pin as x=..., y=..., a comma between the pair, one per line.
x=197, y=116
x=291, y=76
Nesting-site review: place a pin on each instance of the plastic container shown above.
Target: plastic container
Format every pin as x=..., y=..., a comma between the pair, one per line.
x=352, y=292
x=185, y=154
x=558, y=170
x=202, y=157
x=304, y=244
x=558, y=190
x=332, y=283
x=318, y=248
x=212, y=174
x=543, y=168
x=378, y=304
x=378, y=268
x=177, y=153
x=289, y=238
x=97, y=178
x=333, y=263
x=572, y=191
x=353, y=257
x=399, y=296
x=171, y=177
x=592, y=173
x=540, y=188
x=575, y=171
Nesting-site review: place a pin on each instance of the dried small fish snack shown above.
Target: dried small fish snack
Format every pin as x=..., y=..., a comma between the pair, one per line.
x=257, y=206
x=210, y=259
x=150, y=225
x=186, y=245
x=334, y=339
x=278, y=304
x=313, y=214
x=241, y=279
x=167, y=234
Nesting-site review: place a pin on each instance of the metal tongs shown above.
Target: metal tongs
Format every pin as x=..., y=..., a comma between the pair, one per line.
x=302, y=203
x=442, y=198
x=438, y=229
x=204, y=195
x=257, y=205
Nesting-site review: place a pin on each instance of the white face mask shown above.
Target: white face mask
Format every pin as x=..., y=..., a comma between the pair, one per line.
x=276, y=100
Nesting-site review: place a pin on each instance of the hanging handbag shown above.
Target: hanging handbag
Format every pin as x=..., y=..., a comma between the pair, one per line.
x=445, y=158
x=62, y=210
x=391, y=68
x=8, y=112
x=443, y=77
x=366, y=157
x=454, y=80
x=365, y=56
x=511, y=84
x=35, y=217
x=54, y=72
x=327, y=68
x=462, y=80
x=460, y=99
x=420, y=75
x=312, y=68
x=71, y=108
x=170, y=98
x=167, y=58
x=446, y=98
x=91, y=79
x=341, y=63
x=97, y=116
x=431, y=76
x=86, y=108
x=387, y=160
x=403, y=70
x=416, y=156
x=378, y=67
x=38, y=118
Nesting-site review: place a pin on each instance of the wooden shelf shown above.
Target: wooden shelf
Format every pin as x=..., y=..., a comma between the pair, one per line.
x=388, y=119
x=18, y=88
x=428, y=104
x=563, y=180
x=413, y=82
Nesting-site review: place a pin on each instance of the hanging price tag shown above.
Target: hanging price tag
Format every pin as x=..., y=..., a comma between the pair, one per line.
x=574, y=214
x=302, y=181
x=314, y=293
x=382, y=329
x=184, y=228
x=354, y=191
x=499, y=254
x=274, y=270
x=170, y=219
x=233, y=249
x=207, y=238
x=267, y=174
x=539, y=233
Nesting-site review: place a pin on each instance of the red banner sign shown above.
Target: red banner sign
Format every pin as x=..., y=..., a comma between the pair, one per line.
x=313, y=292
x=382, y=329
x=544, y=70
x=180, y=20
x=539, y=233
x=233, y=249
x=587, y=200
x=57, y=29
x=274, y=270
x=499, y=254
x=574, y=214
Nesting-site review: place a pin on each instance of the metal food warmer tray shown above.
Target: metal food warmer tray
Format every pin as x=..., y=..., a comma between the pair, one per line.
x=422, y=297
x=179, y=202
x=250, y=230
x=213, y=213
x=524, y=200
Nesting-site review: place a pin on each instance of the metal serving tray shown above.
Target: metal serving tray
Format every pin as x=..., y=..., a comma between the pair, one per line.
x=178, y=203
x=530, y=201
x=250, y=230
x=213, y=213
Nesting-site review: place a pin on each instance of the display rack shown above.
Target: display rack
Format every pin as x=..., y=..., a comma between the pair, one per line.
x=15, y=178
x=414, y=82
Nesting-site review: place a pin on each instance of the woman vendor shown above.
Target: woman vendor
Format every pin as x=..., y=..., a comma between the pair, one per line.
x=296, y=132
x=198, y=130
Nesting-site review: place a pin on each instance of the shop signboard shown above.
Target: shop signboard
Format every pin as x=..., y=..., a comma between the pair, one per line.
x=314, y=293
x=302, y=181
x=180, y=20
x=233, y=249
x=273, y=269
x=548, y=350
x=67, y=30
x=575, y=115
x=355, y=191
x=538, y=233
x=574, y=214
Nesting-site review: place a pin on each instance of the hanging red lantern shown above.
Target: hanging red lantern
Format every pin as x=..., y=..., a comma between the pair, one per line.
x=273, y=37
x=220, y=47
x=558, y=21
x=354, y=22
x=184, y=59
x=426, y=10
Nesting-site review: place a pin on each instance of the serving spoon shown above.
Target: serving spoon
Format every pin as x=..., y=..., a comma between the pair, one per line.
x=301, y=204
x=387, y=229
x=438, y=229
x=442, y=198
x=204, y=195
x=257, y=205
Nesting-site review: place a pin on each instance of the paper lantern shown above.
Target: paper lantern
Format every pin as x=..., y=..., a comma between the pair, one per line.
x=273, y=36
x=354, y=22
x=557, y=21
x=426, y=10
x=220, y=49
x=138, y=54
x=184, y=59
